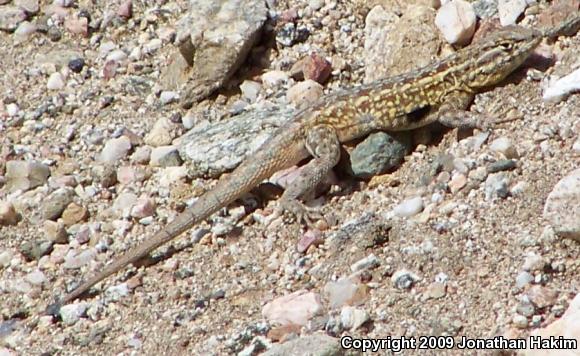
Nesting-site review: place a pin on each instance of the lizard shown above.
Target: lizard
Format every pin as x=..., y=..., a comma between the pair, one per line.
x=441, y=91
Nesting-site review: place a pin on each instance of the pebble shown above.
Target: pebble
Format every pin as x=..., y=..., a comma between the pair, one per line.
x=250, y=90
x=54, y=204
x=562, y=209
x=404, y=279
x=165, y=156
x=168, y=97
x=295, y=308
x=141, y=155
x=541, y=296
x=274, y=78
x=456, y=20
x=5, y=258
x=116, y=293
x=520, y=321
x=309, y=238
x=8, y=215
x=523, y=279
x=510, y=11
x=143, y=207
x=76, y=261
x=525, y=308
x=11, y=17
x=25, y=175
x=152, y=46
x=36, y=278
x=124, y=203
x=409, y=207
x=502, y=165
x=344, y=291
x=352, y=318
x=34, y=250
x=533, y=262
x=504, y=146
x=115, y=149
x=458, y=181
x=304, y=93
x=369, y=262
x=55, y=81
x=496, y=185
x=74, y=214
x=161, y=134
x=436, y=290
x=71, y=313
x=76, y=64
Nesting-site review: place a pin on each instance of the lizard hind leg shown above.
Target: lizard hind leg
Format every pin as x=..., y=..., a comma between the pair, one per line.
x=323, y=144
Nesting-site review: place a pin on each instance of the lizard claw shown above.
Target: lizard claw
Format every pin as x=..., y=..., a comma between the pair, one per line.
x=298, y=211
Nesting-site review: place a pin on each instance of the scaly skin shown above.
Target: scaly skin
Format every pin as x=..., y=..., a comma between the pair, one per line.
x=443, y=90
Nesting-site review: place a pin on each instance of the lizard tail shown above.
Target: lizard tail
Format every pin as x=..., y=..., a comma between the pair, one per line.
x=281, y=151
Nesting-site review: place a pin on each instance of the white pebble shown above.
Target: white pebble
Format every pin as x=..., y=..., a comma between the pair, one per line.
x=409, y=207
x=55, y=81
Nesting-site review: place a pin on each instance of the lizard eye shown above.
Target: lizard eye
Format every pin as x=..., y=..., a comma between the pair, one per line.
x=506, y=46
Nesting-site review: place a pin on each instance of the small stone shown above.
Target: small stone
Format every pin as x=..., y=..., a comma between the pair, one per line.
x=533, y=262
x=115, y=150
x=76, y=261
x=52, y=207
x=165, y=156
x=504, y=146
x=562, y=209
x=5, y=258
x=296, y=308
x=558, y=90
x=34, y=250
x=55, y=81
x=404, y=279
x=345, y=291
x=141, y=155
x=74, y=214
x=352, y=318
x=526, y=309
x=77, y=25
x=510, y=11
x=143, y=207
x=436, y=290
x=25, y=175
x=250, y=90
x=161, y=134
x=317, y=69
x=152, y=46
x=502, y=165
x=274, y=78
x=168, y=97
x=456, y=20
x=8, y=215
x=523, y=279
x=126, y=9
x=541, y=296
x=369, y=262
x=11, y=17
x=116, y=293
x=36, y=278
x=310, y=238
x=520, y=321
x=458, y=181
x=409, y=207
x=76, y=64
x=71, y=313
x=496, y=185
x=304, y=93
x=12, y=109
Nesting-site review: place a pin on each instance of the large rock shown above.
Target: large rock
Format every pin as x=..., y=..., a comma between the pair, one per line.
x=562, y=207
x=214, y=39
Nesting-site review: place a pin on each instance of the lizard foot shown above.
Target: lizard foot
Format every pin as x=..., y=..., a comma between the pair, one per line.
x=298, y=211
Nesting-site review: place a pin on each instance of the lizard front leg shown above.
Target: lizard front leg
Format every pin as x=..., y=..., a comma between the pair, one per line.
x=453, y=113
x=323, y=144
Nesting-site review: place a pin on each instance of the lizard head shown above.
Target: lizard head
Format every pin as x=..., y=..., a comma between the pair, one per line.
x=499, y=54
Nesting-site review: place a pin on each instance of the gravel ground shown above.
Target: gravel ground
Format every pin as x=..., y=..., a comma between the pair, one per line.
x=454, y=241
